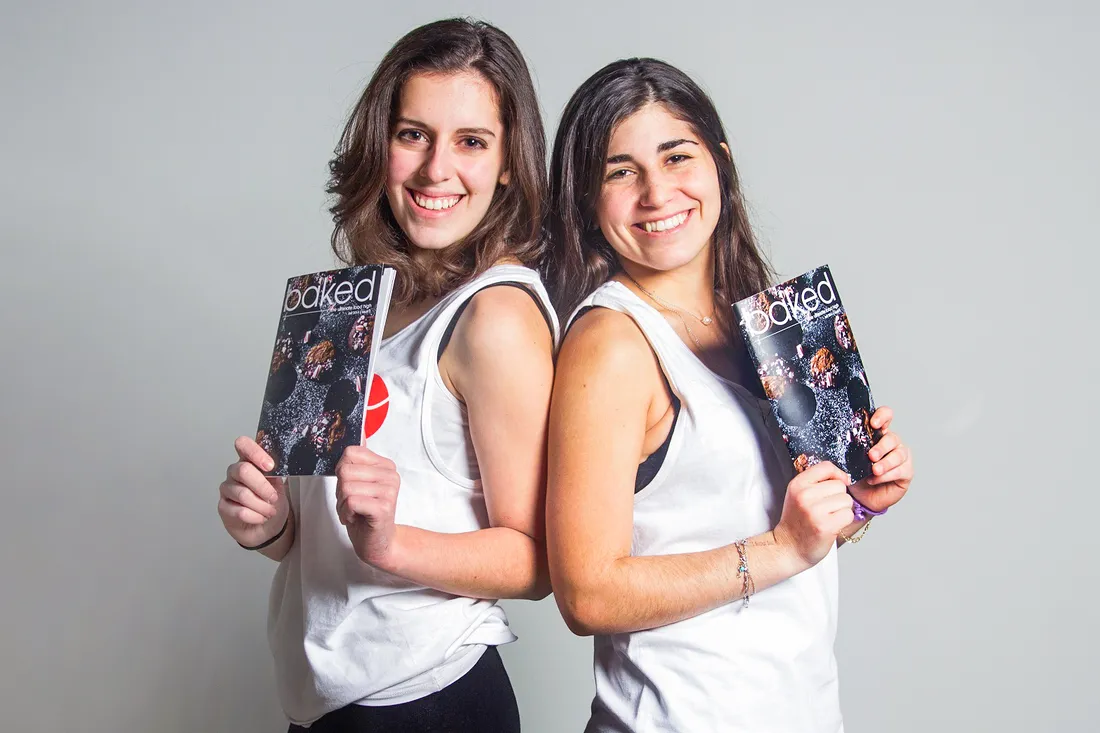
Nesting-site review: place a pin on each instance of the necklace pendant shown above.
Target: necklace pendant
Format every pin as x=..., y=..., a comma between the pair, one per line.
x=707, y=320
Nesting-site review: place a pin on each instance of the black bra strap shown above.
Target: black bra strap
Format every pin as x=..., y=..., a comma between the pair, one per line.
x=648, y=468
x=462, y=309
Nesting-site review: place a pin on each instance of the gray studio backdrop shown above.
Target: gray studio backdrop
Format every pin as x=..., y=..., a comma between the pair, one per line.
x=161, y=173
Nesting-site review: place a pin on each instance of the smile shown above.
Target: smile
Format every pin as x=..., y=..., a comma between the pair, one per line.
x=434, y=203
x=670, y=224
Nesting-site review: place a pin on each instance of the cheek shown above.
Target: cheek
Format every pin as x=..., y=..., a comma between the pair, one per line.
x=480, y=175
x=704, y=188
x=615, y=210
x=401, y=165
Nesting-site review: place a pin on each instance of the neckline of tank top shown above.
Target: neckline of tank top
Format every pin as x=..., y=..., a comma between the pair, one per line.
x=410, y=327
x=737, y=388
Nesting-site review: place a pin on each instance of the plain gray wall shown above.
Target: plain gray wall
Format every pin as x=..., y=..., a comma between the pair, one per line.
x=161, y=172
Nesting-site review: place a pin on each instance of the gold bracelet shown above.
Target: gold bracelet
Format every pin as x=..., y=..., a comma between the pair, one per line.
x=858, y=535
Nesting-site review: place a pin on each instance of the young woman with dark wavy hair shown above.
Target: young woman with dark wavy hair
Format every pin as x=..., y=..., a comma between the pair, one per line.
x=383, y=613
x=677, y=532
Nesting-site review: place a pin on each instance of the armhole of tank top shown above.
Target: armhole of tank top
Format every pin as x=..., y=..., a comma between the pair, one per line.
x=651, y=466
x=435, y=387
x=449, y=331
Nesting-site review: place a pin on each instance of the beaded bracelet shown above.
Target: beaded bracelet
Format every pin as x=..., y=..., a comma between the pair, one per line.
x=748, y=587
x=861, y=512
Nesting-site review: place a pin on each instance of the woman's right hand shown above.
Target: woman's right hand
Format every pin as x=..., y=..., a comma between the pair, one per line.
x=253, y=507
x=816, y=509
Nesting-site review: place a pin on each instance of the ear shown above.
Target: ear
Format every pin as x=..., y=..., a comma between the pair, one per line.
x=505, y=177
x=727, y=149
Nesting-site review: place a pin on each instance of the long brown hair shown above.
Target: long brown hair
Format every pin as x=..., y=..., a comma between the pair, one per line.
x=579, y=258
x=365, y=229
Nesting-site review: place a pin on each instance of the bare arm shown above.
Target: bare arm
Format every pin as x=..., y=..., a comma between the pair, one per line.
x=606, y=380
x=500, y=362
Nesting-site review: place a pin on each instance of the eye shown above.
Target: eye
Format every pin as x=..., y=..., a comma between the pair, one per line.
x=678, y=158
x=413, y=136
x=619, y=173
x=474, y=143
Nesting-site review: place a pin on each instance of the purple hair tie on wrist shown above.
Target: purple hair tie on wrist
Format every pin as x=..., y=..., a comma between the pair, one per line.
x=861, y=512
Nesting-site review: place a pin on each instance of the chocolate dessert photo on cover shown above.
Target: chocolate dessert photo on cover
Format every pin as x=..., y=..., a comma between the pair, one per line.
x=801, y=344
x=321, y=367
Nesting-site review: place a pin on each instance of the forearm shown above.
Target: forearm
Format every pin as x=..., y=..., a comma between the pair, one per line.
x=278, y=549
x=643, y=592
x=497, y=562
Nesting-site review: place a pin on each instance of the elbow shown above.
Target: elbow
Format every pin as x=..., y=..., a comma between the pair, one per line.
x=537, y=594
x=539, y=589
x=582, y=613
x=588, y=602
x=531, y=583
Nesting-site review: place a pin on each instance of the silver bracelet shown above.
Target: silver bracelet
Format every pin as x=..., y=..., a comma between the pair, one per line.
x=748, y=587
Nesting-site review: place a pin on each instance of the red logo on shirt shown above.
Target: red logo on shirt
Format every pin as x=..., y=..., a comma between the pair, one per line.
x=378, y=405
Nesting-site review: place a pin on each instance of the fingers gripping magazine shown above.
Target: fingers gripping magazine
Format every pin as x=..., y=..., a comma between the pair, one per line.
x=801, y=343
x=322, y=367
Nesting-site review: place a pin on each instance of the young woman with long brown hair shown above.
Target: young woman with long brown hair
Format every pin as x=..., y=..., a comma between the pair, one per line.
x=671, y=500
x=383, y=613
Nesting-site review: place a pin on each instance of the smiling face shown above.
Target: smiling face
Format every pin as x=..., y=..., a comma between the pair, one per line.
x=660, y=200
x=446, y=157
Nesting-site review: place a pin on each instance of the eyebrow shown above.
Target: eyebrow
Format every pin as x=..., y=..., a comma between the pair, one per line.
x=461, y=131
x=663, y=147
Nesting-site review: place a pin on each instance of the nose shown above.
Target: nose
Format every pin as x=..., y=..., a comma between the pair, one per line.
x=438, y=166
x=657, y=191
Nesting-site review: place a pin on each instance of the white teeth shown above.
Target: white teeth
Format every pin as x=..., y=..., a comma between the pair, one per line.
x=435, y=204
x=670, y=223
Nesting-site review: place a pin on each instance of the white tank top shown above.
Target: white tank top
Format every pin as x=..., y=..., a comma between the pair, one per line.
x=344, y=632
x=768, y=667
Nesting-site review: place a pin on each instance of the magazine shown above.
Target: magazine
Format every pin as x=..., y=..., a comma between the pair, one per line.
x=322, y=367
x=801, y=342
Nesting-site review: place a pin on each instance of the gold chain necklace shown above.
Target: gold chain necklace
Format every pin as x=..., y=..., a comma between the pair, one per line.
x=705, y=320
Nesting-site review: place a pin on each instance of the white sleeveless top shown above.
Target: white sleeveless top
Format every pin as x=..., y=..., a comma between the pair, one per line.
x=344, y=632
x=767, y=668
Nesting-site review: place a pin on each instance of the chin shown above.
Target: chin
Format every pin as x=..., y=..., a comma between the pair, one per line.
x=433, y=240
x=666, y=261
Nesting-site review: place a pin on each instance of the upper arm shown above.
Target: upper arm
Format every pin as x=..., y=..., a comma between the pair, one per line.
x=500, y=363
x=607, y=379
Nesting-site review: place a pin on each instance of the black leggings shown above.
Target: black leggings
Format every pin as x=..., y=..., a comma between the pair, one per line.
x=481, y=701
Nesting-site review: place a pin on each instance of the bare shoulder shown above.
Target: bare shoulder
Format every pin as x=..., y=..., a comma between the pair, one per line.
x=606, y=346
x=498, y=320
x=501, y=334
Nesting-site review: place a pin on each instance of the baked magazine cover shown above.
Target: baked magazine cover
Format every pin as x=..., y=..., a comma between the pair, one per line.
x=321, y=367
x=802, y=345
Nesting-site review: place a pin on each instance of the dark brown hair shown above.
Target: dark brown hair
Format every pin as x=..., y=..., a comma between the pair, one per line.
x=365, y=229
x=580, y=259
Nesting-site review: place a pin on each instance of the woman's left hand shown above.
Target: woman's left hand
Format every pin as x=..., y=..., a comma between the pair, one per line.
x=366, y=502
x=892, y=467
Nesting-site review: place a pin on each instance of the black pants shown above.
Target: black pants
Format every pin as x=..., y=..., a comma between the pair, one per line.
x=481, y=701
